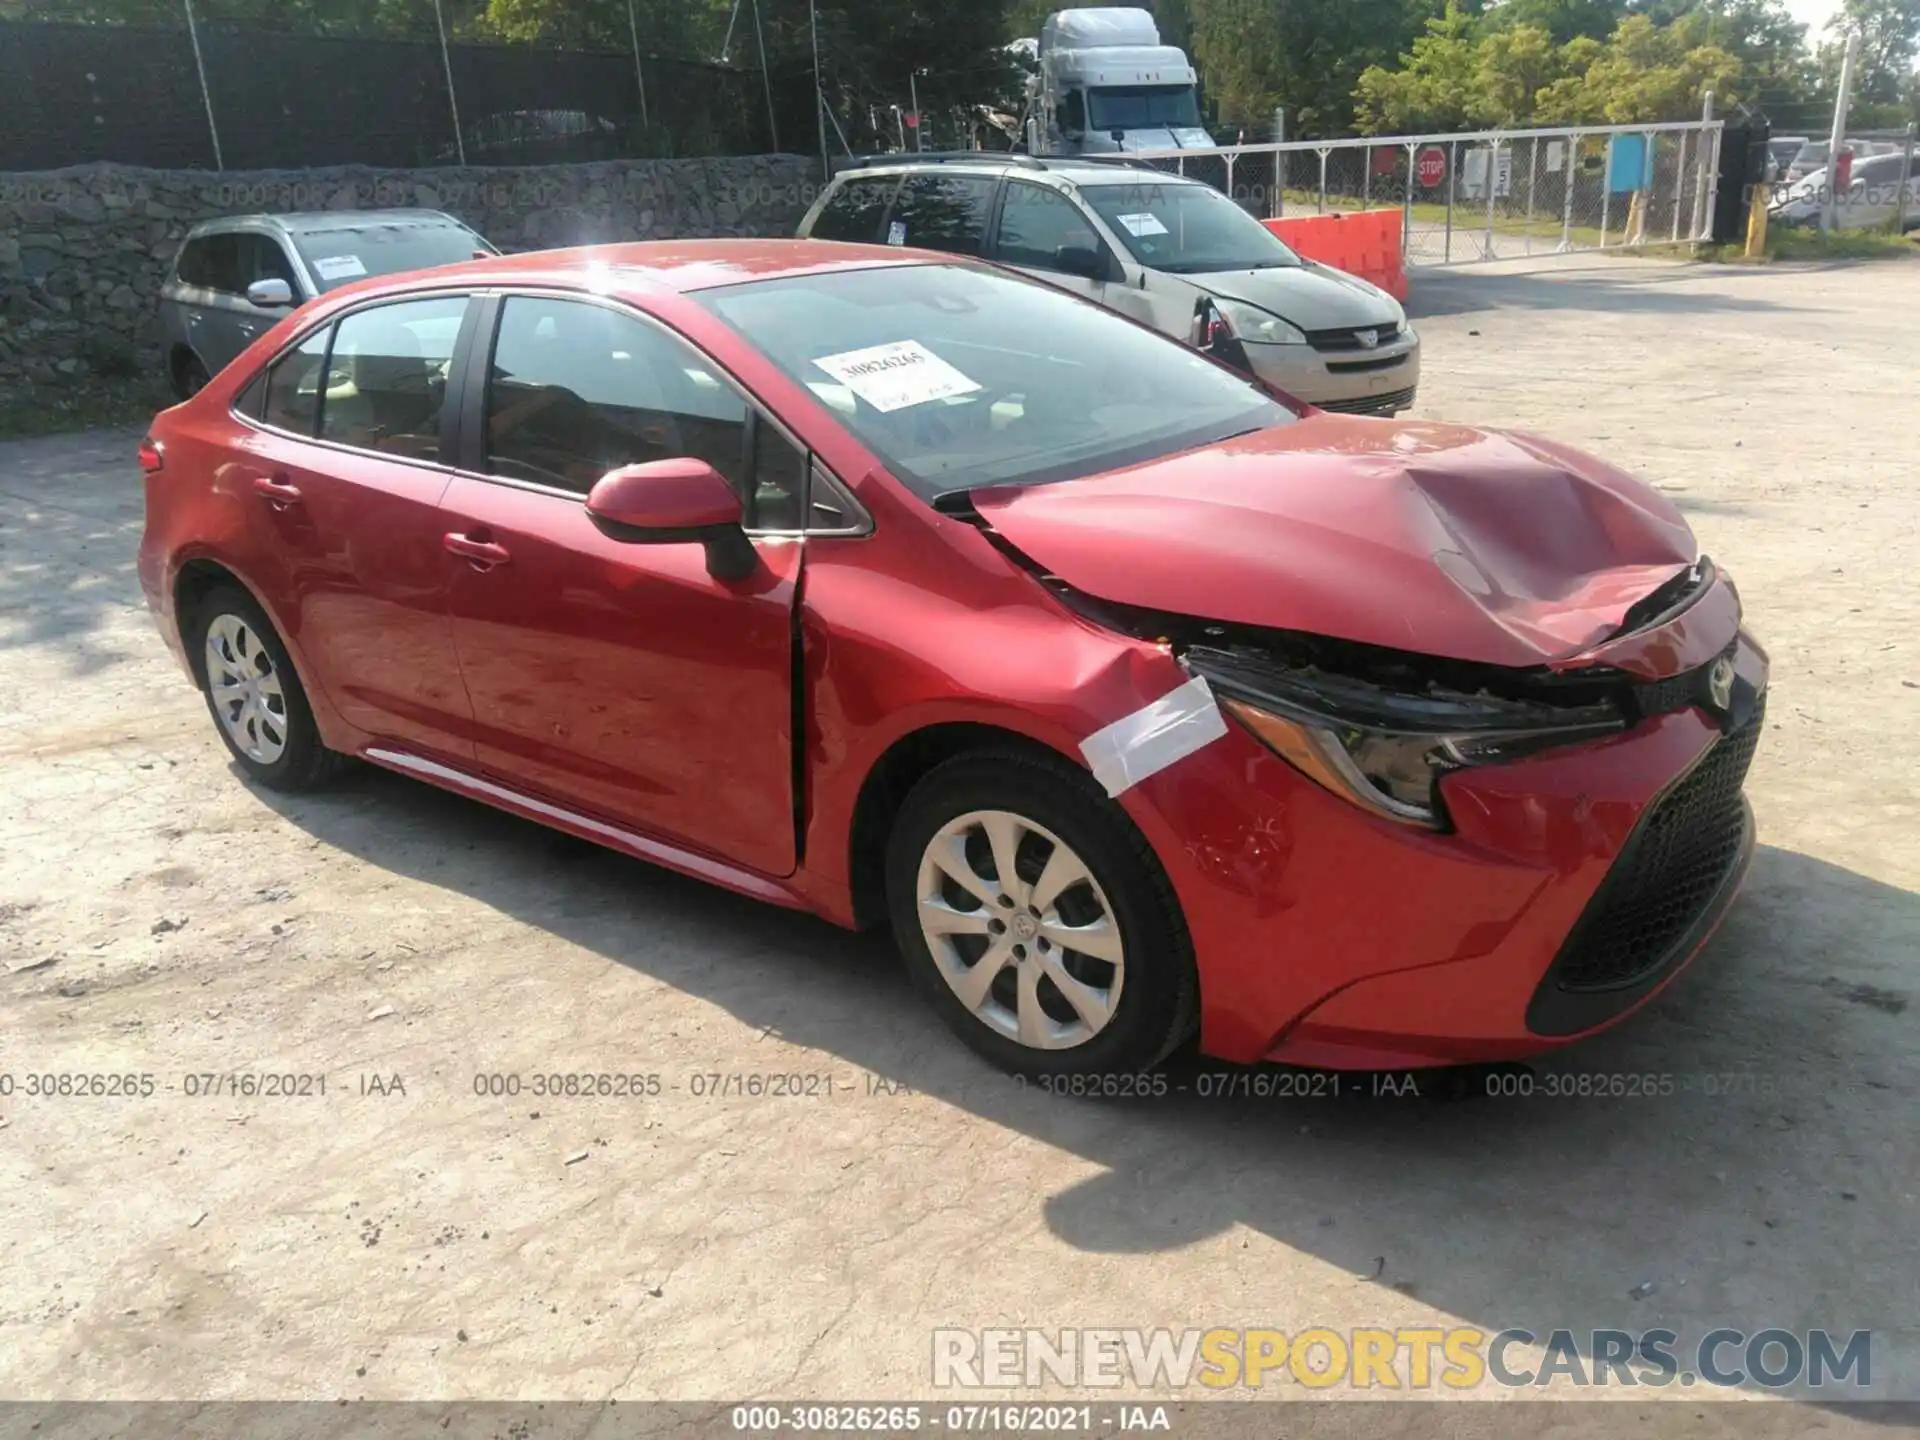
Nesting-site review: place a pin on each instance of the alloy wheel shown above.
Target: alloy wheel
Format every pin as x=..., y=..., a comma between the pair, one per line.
x=245, y=687
x=1020, y=930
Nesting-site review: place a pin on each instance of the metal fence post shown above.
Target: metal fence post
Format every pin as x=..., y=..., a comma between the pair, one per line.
x=1453, y=184
x=1323, y=184
x=1566, y=193
x=206, y=95
x=1703, y=222
x=633, y=28
x=1606, y=192
x=1900, y=195
x=1680, y=183
x=1406, y=210
x=453, y=103
x=1533, y=182
x=1493, y=187
x=1366, y=178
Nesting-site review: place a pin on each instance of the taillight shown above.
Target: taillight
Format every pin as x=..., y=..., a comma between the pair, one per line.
x=153, y=455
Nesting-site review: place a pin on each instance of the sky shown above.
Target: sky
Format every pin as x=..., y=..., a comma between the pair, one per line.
x=1814, y=14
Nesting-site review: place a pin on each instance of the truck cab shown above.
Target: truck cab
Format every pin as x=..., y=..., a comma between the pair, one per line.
x=1106, y=84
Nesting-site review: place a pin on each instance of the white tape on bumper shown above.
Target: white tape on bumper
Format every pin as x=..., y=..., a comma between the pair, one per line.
x=1150, y=739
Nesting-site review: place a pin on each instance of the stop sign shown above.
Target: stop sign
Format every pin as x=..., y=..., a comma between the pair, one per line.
x=1430, y=166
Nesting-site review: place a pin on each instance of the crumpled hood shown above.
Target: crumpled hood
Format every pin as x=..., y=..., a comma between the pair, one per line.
x=1436, y=539
x=1313, y=297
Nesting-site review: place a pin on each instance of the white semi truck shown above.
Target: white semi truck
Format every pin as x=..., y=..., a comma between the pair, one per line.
x=1105, y=83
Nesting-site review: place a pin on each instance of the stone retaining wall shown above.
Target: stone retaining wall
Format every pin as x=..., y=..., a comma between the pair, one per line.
x=83, y=252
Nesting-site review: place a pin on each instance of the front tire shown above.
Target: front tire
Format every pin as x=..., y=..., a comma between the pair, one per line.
x=1036, y=919
x=256, y=699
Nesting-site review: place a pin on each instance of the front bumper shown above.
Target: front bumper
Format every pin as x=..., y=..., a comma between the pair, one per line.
x=1379, y=381
x=1327, y=937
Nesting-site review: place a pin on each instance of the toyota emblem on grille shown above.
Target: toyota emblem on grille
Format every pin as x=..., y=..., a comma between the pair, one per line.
x=1367, y=338
x=1720, y=684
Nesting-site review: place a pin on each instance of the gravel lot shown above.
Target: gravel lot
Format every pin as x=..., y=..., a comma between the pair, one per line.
x=404, y=1237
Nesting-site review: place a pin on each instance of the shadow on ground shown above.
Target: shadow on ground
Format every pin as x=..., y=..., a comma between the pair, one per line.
x=71, y=510
x=1791, y=1040
x=1605, y=287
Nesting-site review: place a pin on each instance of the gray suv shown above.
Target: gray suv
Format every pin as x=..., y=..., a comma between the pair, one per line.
x=1167, y=251
x=237, y=277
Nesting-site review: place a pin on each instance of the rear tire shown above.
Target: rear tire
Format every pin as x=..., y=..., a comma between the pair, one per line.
x=258, y=704
x=996, y=954
x=190, y=377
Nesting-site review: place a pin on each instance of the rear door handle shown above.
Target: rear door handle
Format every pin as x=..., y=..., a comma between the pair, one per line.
x=483, y=553
x=277, y=488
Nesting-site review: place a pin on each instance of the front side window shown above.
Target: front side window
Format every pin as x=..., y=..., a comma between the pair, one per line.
x=292, y=400
x=960, y=377
x=352, y=252
x=387, y=378
x=262, y=258
x=1186, y=229
x=856, y=211
x=577, y=389
x=942, y=212
x=1037, y=223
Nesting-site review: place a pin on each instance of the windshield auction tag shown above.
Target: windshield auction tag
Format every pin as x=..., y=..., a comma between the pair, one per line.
x=1145, y=223
x=892, y=377
x=897, y=233
x=339, y=267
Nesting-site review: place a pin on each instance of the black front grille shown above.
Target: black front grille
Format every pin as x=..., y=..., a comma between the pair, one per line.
x=1674, y=867
x=1348, y=337
x=1677, y=692
x=1384, y=404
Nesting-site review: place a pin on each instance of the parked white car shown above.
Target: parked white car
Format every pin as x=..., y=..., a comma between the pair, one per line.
x=1161, y=249
x=1872, y=196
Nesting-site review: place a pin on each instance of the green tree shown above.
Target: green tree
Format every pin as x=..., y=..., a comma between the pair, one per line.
x=1305, y=55
x=1645, y=72
x=1563, y=20
x=1438, y=85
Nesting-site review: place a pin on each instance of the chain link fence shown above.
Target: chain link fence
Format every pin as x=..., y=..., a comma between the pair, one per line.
x=1485, y=195
x=70, y=94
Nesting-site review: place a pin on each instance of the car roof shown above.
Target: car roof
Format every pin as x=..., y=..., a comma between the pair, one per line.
x=307, y=222
x=1068, y=169
x=657, y=266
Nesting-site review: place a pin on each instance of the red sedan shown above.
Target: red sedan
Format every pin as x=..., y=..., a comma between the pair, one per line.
x=1136, y=698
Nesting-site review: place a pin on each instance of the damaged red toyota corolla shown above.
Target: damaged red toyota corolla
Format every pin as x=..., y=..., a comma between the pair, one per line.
x=1136, y=699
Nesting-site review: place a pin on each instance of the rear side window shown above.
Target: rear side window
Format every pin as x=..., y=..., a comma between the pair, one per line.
x=855, y=211
x=387, y=378
x=293, y=386
x=212, y=262
x=942, y=212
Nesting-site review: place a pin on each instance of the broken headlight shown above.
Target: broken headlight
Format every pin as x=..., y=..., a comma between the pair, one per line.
x=1385, y=750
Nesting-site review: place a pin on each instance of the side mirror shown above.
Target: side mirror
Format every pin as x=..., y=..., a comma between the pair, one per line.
x=675, y=502
x=270, y=294
x=1082, y=260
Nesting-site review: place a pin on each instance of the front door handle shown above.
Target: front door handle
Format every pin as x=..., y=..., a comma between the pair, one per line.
x=277, y=488
x=483, y=553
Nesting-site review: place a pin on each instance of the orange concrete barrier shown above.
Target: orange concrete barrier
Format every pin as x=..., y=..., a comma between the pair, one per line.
x=1365, y=243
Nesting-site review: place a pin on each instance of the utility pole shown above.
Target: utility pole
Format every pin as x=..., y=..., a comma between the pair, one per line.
x=1702, y=222
x=919, y=120
x=1838, y=139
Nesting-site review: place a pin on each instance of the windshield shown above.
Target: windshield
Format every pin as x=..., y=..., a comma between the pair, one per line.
x=958, y=378
x=336, y=257
x=1185, y=228
x=1143, y=107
